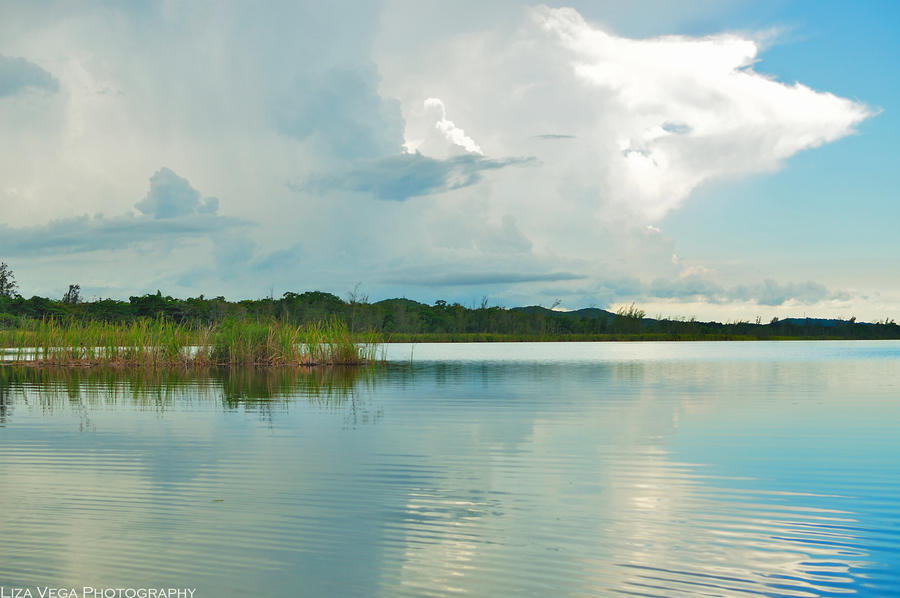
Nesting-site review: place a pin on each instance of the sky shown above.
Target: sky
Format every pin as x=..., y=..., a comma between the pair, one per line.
x=721, y=160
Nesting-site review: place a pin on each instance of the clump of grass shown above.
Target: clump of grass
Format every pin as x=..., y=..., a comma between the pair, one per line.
x=162, y=343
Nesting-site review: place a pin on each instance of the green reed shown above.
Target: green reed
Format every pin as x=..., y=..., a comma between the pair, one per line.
x=163, y=343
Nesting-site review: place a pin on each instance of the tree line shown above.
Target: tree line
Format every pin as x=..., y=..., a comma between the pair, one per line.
x=405, y=319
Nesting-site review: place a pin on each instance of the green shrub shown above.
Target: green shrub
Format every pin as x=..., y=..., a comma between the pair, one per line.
x=9, y=321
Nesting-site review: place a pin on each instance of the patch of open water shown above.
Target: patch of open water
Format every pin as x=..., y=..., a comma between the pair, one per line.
x=534, y=469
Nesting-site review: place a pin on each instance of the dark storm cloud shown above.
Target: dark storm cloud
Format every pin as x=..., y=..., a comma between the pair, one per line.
x=457, y=279
x=18, y=74
x=342, y=111
x=86, y=233
x=409, y=175
x=554, y=136
x=772, y=293
x=698, y=288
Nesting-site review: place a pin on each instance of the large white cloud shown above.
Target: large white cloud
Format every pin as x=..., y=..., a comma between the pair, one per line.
x=684, y=110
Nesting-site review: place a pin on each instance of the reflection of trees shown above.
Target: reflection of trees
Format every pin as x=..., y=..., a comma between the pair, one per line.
x=6, y=403
x=258, y=389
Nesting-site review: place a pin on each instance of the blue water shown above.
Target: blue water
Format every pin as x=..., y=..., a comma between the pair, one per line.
x=583, y=469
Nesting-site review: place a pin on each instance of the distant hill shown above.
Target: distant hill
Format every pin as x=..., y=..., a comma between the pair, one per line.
x=823, y=322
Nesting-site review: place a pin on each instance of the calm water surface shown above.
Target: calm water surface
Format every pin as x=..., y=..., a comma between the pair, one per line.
x=589, y=469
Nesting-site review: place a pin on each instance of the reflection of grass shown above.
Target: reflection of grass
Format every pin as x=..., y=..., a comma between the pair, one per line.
x=161, y=343
x=329, y=385
x=158, y=388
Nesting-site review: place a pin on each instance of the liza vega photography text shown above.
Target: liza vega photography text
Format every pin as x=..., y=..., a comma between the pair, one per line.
x=92, y=592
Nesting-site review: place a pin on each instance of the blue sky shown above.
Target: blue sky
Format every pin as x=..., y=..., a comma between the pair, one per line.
x=833, y=210
x=722, y=160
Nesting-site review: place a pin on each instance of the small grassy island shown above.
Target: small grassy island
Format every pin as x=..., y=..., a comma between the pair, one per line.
x=163, y=343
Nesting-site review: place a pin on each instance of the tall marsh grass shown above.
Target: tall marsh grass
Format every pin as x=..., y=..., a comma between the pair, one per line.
x=161, y=343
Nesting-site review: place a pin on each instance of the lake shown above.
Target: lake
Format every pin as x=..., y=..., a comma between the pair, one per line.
x=528, y=469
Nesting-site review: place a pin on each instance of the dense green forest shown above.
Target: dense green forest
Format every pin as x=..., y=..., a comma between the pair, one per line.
x=407, y=320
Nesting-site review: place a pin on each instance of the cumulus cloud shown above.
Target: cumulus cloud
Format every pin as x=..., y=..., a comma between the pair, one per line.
x=171, y=211
x=428, y=130
x=448, y=128
x=172, y=196
x=408, y=175
x=18, y=74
